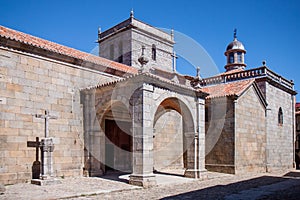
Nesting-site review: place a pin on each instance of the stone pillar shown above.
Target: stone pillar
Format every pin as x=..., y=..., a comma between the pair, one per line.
x=47, y=147
x=202, y=172
x=91, y=136
x=142, y=138
x=196, y=151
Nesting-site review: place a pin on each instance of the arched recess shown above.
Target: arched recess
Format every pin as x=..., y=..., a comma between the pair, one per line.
x=173, y=126
x=116, y=146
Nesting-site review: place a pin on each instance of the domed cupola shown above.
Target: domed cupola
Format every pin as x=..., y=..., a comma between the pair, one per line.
x=235, y=52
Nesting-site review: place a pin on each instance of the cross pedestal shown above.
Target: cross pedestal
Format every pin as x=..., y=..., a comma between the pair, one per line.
x=47, y=147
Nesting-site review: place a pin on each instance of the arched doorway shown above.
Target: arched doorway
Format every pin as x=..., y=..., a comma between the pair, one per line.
x=172, y=122
x=116, y=124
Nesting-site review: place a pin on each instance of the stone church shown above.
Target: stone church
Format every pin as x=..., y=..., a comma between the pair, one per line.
x=129, y=110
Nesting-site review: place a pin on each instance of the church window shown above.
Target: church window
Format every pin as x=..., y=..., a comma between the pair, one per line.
x=153, y=52
x=120, y=58
x=231, y=58
x=280, y=116
x=111, y=52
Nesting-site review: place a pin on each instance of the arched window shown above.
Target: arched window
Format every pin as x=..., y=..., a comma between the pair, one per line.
x=280, y=116
x=231, y=58
x=240, y=57
x=153, y=52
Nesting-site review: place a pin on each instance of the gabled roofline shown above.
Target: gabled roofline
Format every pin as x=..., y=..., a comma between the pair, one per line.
x=258, y=92
x=154, y=80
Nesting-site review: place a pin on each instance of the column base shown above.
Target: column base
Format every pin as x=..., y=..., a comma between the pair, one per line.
x=96, y=173
x=199, y=174
x=49, y=181
x=145, y=181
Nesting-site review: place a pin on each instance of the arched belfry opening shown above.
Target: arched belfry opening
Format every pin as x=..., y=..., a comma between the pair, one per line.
x=172, y=121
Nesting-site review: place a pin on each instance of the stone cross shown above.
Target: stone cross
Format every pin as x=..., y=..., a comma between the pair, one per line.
x=46, y=117
x=174, y=57
x=47, y=147
x=36, y=166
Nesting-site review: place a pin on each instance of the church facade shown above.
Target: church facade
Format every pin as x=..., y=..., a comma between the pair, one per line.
x=128, y=110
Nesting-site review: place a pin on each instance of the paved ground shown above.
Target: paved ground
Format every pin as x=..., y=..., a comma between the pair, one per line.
x=219, y=186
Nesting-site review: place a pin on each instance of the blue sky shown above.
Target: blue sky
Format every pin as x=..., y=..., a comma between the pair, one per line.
x=269, y=29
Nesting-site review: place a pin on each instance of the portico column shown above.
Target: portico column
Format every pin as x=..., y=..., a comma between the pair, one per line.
x=201, y=138
x=196, y=152
x=142, y=138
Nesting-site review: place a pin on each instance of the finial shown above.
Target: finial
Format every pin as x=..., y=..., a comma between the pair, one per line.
x=131, y=13
x=198, y=72
x=264, y=63
x=99, y=30
x=172, y=34
x=234, y=33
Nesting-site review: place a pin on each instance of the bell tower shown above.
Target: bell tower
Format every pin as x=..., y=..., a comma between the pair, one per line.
x=125, y=41
x=235, y=53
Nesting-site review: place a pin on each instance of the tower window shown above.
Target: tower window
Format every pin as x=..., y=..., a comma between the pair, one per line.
x=231, y=58
x=280, y=116
x=239, y=57
x=153, y=52
x=111, y=52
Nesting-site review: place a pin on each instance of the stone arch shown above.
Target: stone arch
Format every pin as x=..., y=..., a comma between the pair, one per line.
x=173, y=125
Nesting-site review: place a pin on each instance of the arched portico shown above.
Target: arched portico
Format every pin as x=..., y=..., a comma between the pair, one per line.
x=172, y=124
x=143, y=102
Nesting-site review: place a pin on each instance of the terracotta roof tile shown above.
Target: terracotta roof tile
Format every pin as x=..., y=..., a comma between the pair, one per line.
x=60, y=49
x=227, y=89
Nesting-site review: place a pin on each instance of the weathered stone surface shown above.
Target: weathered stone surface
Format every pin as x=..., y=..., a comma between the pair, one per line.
x=2, y=189
x=33, y=84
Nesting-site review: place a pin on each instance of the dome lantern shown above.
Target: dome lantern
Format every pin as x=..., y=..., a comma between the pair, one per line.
x=235, y=53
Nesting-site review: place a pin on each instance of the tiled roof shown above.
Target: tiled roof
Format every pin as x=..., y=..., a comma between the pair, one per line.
x=63, y=50
x=227, y=89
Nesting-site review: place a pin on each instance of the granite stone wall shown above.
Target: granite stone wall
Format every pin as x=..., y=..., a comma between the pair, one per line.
x=250, y=142
x=220, y=137
x=280, y=146
x=30, y=84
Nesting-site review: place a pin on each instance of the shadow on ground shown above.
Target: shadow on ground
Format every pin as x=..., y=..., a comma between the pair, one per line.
x=221, y=191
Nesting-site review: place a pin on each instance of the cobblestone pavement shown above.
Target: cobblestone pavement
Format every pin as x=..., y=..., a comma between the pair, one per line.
x=219, y=186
